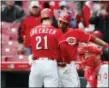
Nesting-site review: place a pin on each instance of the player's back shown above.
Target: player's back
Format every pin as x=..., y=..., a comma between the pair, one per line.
x=45, y=41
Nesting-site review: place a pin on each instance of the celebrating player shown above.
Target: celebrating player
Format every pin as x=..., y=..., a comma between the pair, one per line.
x=48, y=44
x=73, y=37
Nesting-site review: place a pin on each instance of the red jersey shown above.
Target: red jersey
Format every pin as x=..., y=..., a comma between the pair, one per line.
x=74, y=36
x=48, y=41
x=27, y=24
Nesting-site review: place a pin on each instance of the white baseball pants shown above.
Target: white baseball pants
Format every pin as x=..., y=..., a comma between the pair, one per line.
x=43, y=72
x=68, y=76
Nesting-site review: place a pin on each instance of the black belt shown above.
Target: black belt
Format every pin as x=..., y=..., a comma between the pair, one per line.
x=61, y=64
x=34, y=58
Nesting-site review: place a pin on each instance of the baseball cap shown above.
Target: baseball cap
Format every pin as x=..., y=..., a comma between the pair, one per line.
x=93, y=49
x=34, y=3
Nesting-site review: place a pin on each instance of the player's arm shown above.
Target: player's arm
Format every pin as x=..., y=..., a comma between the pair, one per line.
x=86, y=37
x=101, y=42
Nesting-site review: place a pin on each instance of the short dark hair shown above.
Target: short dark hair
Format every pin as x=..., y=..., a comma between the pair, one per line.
x=46, y=18
x=62, y=7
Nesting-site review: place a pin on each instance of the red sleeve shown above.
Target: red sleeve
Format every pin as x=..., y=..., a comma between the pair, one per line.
x=84, y=37
x=63, y=47
x=86, y=15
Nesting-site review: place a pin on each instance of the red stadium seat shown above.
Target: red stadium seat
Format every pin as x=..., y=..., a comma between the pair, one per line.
x=15, y=58
x=11, y=31
x=5, y=25
x=9, y=51
x=9, y=48
x=10, y=44
x=3, y=59
x=4, y=38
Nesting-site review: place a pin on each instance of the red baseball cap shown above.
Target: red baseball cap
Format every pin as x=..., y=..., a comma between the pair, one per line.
x=65, y=17
x=91, y=49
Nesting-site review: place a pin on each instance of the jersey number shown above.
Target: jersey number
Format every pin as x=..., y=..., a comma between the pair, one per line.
x=105, y=76
x=39, y=39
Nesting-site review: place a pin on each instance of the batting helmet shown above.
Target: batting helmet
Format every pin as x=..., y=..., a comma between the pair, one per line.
x=65, y=17
x=94, y=49
x=98, y=34
x=90, y=48
x=89, y=60
x=46, y=13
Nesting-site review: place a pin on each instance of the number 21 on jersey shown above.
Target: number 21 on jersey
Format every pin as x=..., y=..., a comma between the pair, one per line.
x=41, y=39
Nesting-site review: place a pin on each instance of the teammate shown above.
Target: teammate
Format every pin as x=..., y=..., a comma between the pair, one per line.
x=73, y=38
x=100, y=35
x=27, y=24
x=48, y=46
x=96, y=70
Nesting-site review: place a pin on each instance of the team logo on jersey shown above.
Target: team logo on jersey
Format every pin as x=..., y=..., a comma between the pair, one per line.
x=71, y=40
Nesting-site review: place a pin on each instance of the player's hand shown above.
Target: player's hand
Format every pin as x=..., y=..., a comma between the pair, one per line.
x=30, y=59
x=106, y=51
x=21, y=48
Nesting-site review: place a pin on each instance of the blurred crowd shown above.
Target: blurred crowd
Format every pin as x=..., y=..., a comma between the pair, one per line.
x=86, y=15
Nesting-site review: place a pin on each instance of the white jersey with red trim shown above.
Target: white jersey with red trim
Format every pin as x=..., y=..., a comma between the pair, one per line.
x=103, y=76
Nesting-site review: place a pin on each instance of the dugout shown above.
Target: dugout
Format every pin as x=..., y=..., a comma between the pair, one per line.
x=19, y=79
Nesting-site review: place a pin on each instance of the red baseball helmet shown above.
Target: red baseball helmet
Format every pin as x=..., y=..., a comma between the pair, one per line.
x=46, y=13
x=90, y=48
x=98, y=34
x=90, y=60
x=94, y=49
x=65, y=17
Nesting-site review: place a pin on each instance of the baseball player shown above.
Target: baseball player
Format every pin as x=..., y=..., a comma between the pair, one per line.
x=48, y=46
x=96, y=70
x=73, y=37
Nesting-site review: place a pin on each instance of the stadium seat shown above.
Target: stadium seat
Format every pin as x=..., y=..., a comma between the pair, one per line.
x=5, y=25
x=3, y=59
x=4, y=37
x=9, y=48
x=11, y=31
x=15, y=58
x=10, y=44
x=9, y=51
